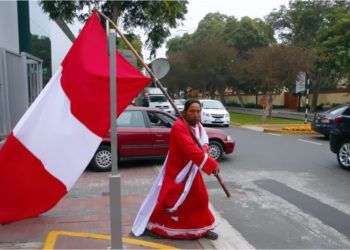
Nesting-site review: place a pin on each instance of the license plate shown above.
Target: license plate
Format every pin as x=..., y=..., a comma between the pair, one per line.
x=218, y=120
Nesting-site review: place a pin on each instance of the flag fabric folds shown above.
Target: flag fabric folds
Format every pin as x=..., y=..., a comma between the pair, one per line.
x=54, y=141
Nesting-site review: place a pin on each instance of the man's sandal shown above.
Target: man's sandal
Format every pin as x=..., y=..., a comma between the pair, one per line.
x=211, y=235
x=152, y=234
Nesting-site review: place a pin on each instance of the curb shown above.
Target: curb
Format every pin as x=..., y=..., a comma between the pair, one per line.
x=279, y=131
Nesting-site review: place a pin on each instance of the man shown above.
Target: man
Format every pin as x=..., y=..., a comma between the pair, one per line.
x=145, y=100
x=177, y=204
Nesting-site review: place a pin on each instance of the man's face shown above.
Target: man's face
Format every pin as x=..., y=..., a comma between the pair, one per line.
x=146, y=95
x=193, y=114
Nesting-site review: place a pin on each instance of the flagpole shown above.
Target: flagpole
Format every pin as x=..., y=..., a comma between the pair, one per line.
x=159, y=84
x=114, y=178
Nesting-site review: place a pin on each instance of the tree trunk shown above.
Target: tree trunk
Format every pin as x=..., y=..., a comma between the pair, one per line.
x=267, y=112
x=240, y=98
x=222, y=96
x=116, y=6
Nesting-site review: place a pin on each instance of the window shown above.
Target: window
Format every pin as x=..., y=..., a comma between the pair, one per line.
x=158, y=119
x=131, y=119
x=158, y=98
x=212, y=105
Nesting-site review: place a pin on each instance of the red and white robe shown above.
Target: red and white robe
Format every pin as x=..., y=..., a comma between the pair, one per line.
x=177, y=204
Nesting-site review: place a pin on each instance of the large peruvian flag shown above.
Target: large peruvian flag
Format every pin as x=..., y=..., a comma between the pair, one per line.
x=56, y=138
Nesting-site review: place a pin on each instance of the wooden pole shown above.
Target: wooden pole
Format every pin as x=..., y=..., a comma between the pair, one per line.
x=159, y=84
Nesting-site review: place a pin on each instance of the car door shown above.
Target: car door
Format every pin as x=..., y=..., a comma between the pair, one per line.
x=160, y=125
x=134, y=137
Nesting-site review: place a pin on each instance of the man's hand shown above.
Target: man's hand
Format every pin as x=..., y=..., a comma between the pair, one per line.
x=206, y=148
x=216, y=171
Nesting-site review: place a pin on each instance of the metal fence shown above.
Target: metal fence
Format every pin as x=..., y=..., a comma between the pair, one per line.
x=20, y=83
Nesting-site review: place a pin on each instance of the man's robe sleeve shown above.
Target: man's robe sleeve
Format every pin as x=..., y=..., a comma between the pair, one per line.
x=190, y=148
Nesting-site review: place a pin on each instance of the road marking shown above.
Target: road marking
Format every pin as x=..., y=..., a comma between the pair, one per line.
x=274, y=134
x=52, y=237
x=316, y=143
x=229, y=238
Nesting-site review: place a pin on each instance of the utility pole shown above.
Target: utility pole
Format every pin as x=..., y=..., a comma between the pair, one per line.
x=114, y=178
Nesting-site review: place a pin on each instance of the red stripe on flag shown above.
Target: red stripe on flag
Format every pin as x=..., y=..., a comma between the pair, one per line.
x=85, y=79
x=27, y=189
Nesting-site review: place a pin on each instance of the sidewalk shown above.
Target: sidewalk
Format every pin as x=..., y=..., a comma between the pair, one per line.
x=81, y=220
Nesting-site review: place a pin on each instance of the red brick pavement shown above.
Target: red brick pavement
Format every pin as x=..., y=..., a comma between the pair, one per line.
x=85, y=209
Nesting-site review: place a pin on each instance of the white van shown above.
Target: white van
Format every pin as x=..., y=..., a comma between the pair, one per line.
x=214, y=113
x=158, y=99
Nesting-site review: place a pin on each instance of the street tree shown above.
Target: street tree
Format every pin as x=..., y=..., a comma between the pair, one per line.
x=156, y=18
x=211, y=27
x=179, y=43
x=180, y=77
x=212, y=64
x=299, y=26
x=247, y=34
x=333, y=41
x=274, y=68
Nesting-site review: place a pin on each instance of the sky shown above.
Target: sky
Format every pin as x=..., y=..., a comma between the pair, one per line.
x=197, y=9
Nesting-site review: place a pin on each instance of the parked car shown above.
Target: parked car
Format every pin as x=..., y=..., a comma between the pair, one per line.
x=214, y=113
x=143, y=133
x=180, y=104
x=324, y=121
x=339, y=139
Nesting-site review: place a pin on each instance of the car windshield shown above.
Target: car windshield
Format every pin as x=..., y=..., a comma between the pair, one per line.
x=158, y=98
x=212, y=105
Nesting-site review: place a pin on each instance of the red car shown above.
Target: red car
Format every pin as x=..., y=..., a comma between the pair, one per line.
x=143, y=133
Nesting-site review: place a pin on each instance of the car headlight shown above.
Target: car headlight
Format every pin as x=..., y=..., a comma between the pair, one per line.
x=226, y=115
x=206, y=114
x=228, y=138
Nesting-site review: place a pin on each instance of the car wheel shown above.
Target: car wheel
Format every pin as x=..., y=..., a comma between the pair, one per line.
x=216, y=150
x=102, y=160
x=343, y=155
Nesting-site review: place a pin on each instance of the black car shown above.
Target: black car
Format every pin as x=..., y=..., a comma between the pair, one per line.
x=340, y=139
x=324, y=121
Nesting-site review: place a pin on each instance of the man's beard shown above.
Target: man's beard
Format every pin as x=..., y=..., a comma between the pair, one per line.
x=192, y=123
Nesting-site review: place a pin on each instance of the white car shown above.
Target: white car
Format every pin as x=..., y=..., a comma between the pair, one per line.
x=180, y=104
x=214, y=113
x=160, y=101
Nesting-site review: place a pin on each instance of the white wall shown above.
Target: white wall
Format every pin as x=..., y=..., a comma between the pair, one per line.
x=9, y=26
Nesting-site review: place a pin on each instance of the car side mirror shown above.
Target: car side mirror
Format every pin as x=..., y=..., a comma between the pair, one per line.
x=168, y=125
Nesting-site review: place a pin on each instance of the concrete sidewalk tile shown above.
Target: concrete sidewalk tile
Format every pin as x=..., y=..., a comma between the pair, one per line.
x=85, y=209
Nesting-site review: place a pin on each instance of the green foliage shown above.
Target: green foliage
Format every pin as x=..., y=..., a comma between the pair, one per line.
x=41, y=48
x=275, y=67
x=135, y=42
x=298, y=24
x=155, y=17
x=205, y=66
x=179, y=43
x=247, y=34
x=211, y=27
x=334, y=42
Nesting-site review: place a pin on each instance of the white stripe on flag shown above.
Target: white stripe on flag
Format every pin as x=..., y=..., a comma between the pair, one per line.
x=49, y=131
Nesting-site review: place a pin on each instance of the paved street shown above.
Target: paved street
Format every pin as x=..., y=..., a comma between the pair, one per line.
x=288, y=191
